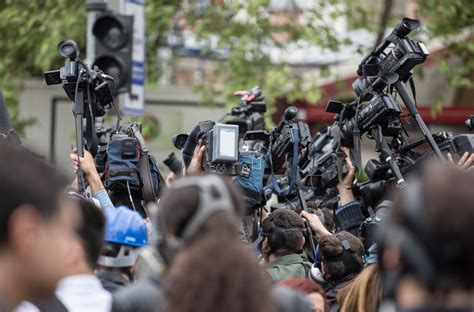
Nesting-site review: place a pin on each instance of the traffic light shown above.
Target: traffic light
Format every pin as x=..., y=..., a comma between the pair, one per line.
x=113, y=48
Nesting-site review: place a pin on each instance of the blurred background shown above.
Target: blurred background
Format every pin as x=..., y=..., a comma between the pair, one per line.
x=188, y=57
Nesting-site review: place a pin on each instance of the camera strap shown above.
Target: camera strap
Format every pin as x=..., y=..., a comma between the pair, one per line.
x=148, y=191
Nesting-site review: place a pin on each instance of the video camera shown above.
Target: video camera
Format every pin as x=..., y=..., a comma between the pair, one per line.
x=249, y=115
x=91, y=92
x=222, y=145
x=397, y=54
x=80, y=83
x=288, y=139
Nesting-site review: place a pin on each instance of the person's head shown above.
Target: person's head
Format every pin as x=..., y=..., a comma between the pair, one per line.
x=364, y=293
x=191, y=196
x=125, y=234
x=427, y=240
x=284, y=233
x=313, y=292
x=210, y=267
x=36, y=223
x=342, y=256
x=89, y=237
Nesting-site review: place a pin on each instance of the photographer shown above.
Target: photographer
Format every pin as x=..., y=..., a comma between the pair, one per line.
x=36, y=227
x=342, y=257
x=283, y=245
x=426, y=252
x=97, y=187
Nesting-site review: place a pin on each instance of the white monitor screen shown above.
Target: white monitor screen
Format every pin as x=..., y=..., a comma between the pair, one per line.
x=227, y=142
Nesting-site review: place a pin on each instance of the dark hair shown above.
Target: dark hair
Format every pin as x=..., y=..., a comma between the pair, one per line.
x=290, y=241
x=331, y=247
x=441, y=226
x=215, y=271
x=91, y=230
x=26, y=180
x=329, y=219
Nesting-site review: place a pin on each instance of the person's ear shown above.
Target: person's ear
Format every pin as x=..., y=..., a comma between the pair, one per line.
x=265, y=246
x=301, y=246
x=24, y=229
x=77, y=252
x=323, y=270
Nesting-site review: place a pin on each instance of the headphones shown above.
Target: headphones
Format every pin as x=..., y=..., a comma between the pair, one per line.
x=214, y=196
x=347, y=257
x=276, y=236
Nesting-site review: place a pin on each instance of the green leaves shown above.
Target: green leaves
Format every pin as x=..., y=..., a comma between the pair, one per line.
x=248, y=30
x=30, y=32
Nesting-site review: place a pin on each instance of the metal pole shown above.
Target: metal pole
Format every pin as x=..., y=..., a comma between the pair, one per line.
x=421, y=124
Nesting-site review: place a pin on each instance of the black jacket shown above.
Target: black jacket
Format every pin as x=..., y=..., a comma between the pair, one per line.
x=112, y=281
x=146, y=295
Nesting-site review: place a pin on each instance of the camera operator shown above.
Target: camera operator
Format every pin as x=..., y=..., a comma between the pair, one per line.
x=97, y=187
x=342, y=257
x=426, y=248
x=283, y=245
x=125, y=234
x=36, y=227
x=209, y=268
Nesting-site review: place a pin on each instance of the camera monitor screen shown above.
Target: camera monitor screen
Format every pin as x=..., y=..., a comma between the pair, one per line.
x=226, y=139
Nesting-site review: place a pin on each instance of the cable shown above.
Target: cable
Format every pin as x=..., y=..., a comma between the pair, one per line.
x=130, y=196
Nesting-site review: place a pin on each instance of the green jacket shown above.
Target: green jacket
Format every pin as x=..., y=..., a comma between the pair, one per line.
x=289, y=266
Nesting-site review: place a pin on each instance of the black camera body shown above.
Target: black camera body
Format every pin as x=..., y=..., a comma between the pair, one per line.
x=249, y=115
x=397, y=54
x=381, y=110
x=71, y=77
x=174, y=164
x=458, y=145
x=222, y=145
x=282, y=139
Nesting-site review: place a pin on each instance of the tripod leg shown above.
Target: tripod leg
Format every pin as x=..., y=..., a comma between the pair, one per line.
x=421, y=124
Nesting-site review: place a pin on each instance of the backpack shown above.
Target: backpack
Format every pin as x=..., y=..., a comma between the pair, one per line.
x=128, y=166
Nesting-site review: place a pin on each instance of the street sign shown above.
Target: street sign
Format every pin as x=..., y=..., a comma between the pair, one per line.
x=133, y=103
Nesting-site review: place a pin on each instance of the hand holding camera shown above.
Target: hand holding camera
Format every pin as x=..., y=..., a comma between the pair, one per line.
x=345, y=186
x=195, y=167
x=87, y=165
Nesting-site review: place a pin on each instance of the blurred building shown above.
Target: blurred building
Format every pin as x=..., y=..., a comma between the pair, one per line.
x=175, y=107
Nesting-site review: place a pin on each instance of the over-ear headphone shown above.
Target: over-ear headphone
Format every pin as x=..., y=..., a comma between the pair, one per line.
x=347, y=257
x=214, y=196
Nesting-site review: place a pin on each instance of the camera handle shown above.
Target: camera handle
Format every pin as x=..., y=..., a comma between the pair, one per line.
x=416, y=114
x=78, y=111
x=387, y=155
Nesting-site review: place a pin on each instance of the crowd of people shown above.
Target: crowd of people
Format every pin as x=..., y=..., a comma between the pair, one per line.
x=61, y=250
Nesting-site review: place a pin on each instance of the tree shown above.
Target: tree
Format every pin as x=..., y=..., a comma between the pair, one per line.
x=30, y=31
